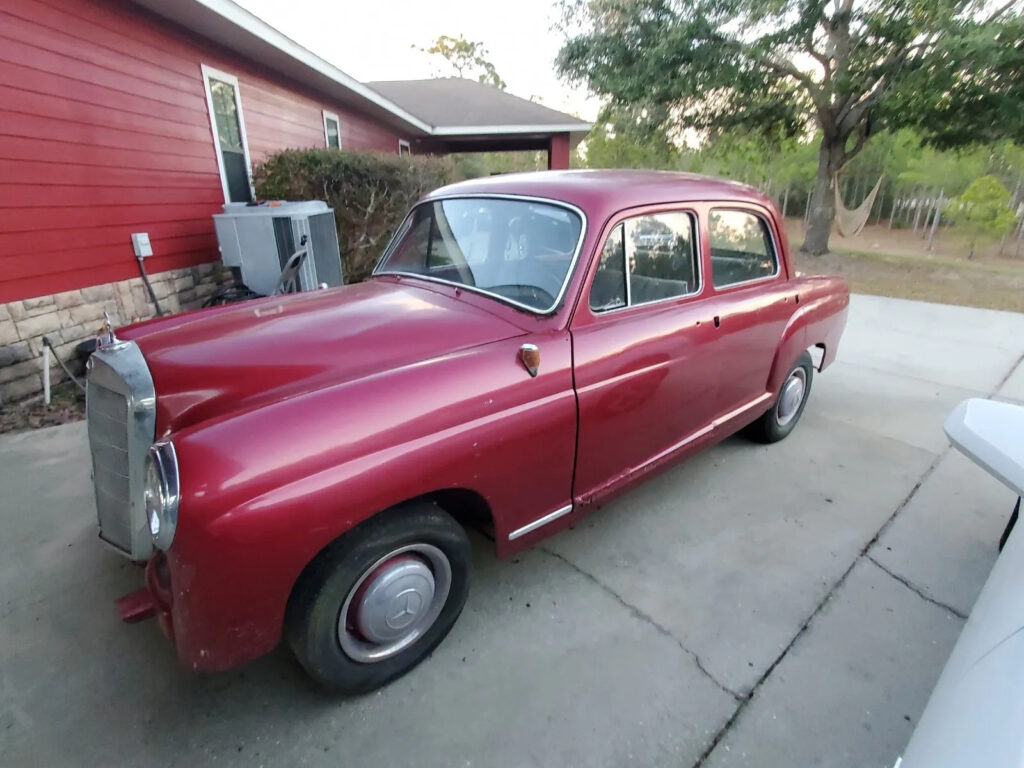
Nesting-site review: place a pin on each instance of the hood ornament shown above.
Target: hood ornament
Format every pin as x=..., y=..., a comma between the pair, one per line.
x=105, y=337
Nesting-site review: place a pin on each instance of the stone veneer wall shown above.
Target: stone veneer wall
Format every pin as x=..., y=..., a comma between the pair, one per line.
x=71, y=317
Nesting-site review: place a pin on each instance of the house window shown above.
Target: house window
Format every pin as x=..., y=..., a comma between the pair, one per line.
x=404, y=148
x=224, y=103
x=332, y=130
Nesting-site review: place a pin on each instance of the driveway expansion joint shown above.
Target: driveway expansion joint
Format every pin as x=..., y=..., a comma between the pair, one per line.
x=1009, y=373
x=640, y=615
x=724, y=730
x=918, y=591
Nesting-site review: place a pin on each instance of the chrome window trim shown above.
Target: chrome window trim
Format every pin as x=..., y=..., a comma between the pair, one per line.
x=481, y=291
x=695, y=221
x=625, y=268
x=771, y=237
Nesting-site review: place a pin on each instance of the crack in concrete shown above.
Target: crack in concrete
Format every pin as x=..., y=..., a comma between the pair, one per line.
x=863, y=554
x=1009, y=373
x=917, y=590
x=647, y=619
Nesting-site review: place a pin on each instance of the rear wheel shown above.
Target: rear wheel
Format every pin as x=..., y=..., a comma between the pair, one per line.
x=375, y=603
x=781, y=419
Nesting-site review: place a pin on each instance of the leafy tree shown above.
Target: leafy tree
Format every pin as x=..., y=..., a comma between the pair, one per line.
x=983, y=211
x=621, y=140
x=952, y=171
x=468, y=59
x=842, y=67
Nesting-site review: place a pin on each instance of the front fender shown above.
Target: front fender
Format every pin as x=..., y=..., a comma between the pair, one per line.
x=264, y=492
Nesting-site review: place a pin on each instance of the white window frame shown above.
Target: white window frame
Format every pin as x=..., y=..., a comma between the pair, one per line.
x=337, y=121
x=403, y=144
x=231, y=80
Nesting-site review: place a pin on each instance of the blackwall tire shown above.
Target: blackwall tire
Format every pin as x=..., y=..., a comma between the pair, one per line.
x=377, y=601
x=785, y=413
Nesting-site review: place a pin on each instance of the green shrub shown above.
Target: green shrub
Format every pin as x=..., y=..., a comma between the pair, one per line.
x=370, y=193
x=983, y=211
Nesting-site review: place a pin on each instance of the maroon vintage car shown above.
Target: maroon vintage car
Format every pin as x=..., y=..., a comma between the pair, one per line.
x=527, y=347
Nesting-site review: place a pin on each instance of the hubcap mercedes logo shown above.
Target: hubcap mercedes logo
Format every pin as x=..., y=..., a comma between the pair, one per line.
x=405, y=608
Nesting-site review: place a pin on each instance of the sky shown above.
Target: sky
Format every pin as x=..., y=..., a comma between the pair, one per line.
x=374, y=40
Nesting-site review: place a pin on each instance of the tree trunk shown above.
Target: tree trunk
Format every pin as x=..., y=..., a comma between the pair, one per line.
x=935, y=220
x=822, y=209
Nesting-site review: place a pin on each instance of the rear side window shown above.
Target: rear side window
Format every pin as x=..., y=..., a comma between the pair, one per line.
x=741, y=248
x=646, y=259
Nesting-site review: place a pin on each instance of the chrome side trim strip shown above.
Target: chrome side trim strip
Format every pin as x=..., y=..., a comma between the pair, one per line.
x=738, y=411
x=539, y=522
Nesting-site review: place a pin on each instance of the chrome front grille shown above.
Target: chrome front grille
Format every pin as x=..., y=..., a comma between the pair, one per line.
x=121, y=415
x=108, y=441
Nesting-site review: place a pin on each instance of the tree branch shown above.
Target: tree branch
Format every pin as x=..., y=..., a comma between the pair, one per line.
x=850, y=116
x=786, y=67
x=1000, y=11
x=821, y=58
x=862, y=137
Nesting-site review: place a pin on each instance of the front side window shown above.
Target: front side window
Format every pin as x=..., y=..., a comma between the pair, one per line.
x=645, y=259
x=520, y=251
x=741, y=248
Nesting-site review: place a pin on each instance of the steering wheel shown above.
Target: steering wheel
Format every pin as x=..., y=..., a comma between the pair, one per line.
x=531, y=295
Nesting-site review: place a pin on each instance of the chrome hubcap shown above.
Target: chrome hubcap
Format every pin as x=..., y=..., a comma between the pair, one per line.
x=394, y=602
x=791, y=397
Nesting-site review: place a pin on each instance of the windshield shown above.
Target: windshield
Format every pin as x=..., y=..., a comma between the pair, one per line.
x=519, y=250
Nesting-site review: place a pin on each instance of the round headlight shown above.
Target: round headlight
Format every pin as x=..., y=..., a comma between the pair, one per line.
x=161, y=493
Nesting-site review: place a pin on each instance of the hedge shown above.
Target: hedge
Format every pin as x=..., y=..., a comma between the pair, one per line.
x=369, y=192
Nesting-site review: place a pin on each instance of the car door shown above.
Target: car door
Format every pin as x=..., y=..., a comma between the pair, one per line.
x=645, y=385
x=752, y=302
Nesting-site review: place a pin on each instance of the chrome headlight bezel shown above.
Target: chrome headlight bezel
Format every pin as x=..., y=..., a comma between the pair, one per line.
x=162, y=493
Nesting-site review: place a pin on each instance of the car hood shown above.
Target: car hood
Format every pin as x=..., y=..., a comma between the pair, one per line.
x=217, y=361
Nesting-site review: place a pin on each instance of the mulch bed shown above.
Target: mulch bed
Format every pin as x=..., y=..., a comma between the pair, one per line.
x=67, y=405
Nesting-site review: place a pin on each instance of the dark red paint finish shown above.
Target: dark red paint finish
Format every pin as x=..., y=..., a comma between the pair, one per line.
x=296, y=418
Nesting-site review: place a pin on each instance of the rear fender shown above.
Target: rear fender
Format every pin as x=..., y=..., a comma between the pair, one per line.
x=818, y=322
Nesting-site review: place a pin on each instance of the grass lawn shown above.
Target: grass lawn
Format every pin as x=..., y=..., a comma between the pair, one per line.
x=895, y=263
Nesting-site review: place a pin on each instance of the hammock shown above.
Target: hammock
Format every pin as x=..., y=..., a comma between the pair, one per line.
x=850, y=222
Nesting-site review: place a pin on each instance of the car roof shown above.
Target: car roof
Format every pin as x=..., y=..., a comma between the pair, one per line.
x=605, y=190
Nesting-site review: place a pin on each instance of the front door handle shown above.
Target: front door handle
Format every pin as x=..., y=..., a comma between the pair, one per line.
x=718, y=321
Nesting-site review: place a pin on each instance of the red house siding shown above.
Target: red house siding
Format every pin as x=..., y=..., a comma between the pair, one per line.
x=104, y=131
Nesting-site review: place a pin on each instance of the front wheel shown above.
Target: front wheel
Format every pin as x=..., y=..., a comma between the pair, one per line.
x=780, y=420
x=375, y=603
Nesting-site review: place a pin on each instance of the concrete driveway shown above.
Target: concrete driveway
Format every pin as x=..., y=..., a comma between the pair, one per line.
x=781, y=606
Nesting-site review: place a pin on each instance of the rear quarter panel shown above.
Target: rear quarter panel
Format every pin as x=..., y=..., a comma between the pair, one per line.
x=822, y=304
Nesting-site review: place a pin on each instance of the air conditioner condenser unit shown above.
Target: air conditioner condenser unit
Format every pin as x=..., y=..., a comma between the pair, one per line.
x=257, y=240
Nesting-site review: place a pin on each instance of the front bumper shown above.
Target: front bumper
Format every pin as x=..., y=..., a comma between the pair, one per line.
x=154, y=599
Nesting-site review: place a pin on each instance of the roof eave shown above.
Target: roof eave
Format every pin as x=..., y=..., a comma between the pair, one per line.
x=236, y=29
x=489, y=130
x=222, y=21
